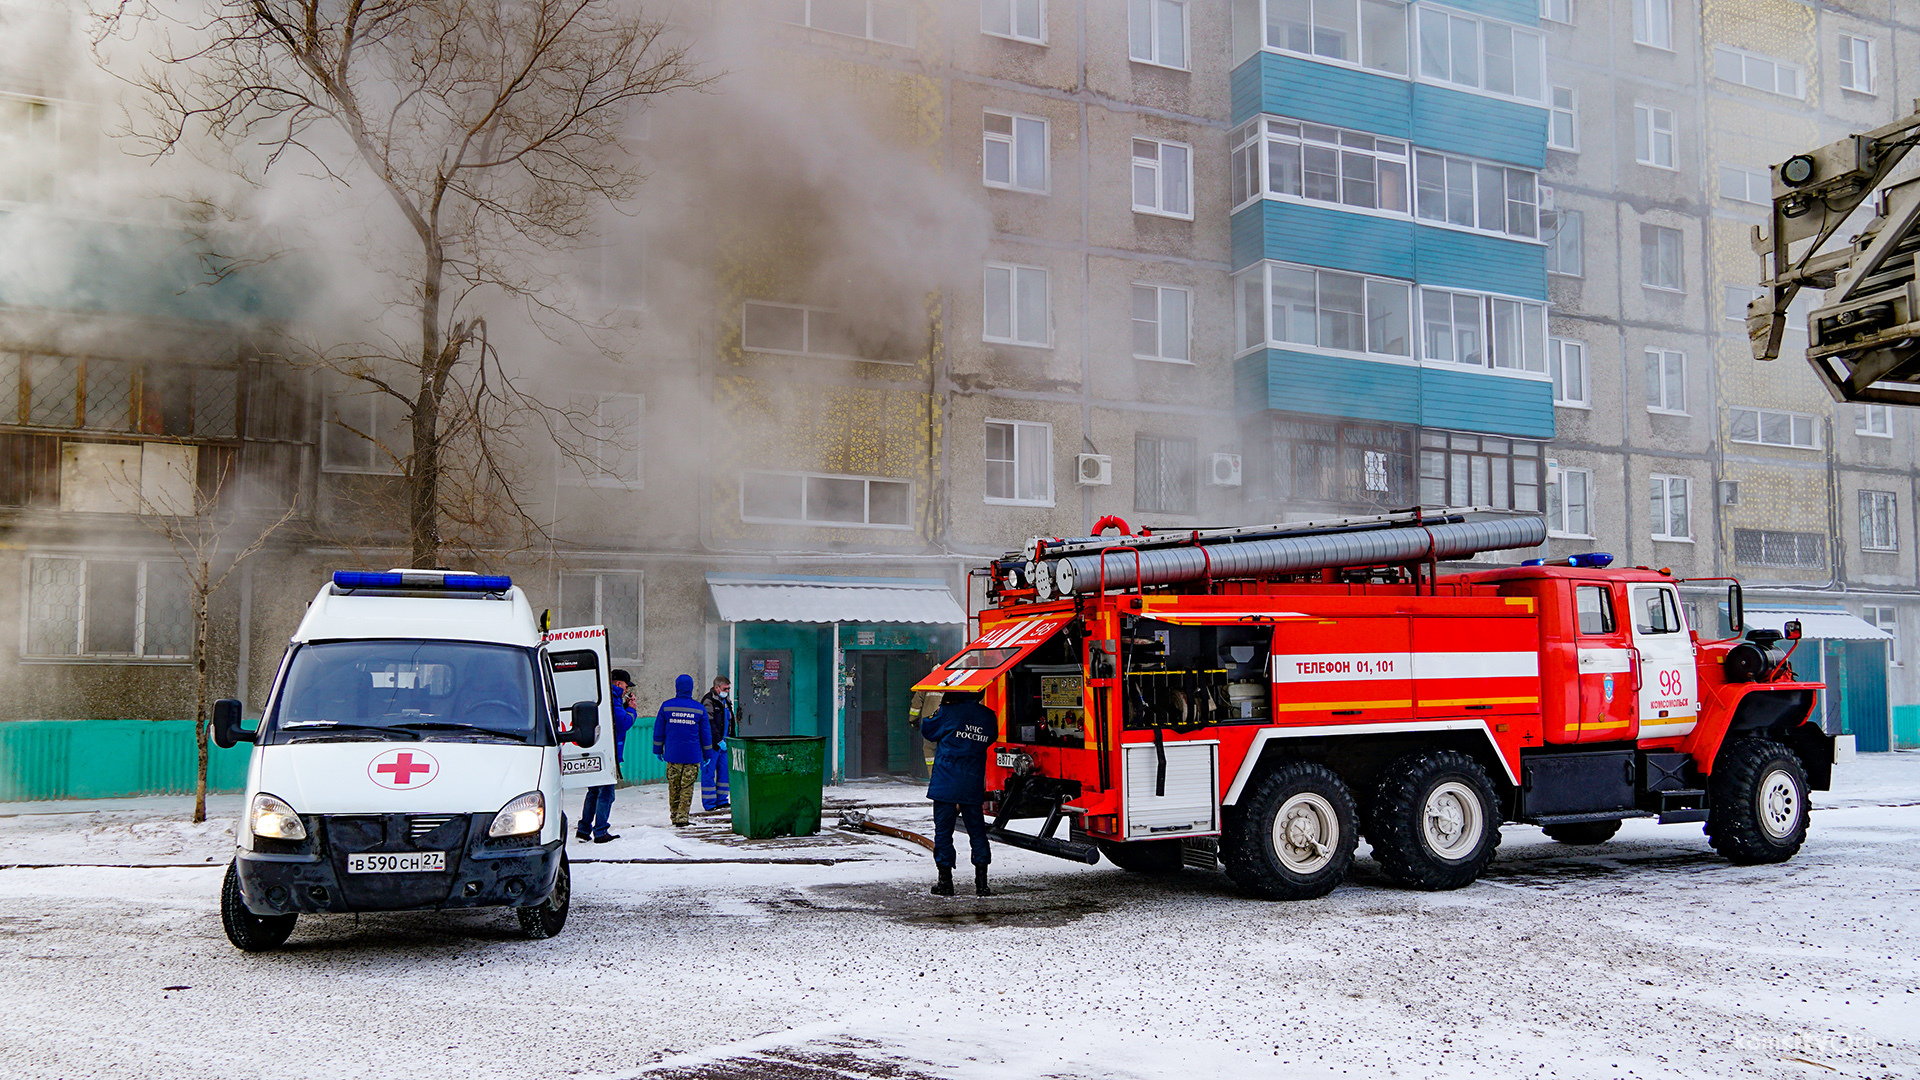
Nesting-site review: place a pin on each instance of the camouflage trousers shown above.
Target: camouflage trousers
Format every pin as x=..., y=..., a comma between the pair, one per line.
x=680, y=783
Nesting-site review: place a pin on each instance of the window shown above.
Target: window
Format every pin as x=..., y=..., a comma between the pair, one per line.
x=1017, y=307
x=1653, y=136
x=1660, y=258
x=1479, y=470
x=1467, y=328
x=1492, y=56
x=1666, y=381
x=1888, y=619
x=127, y=609
x=1163, y=474
x=1160, y=318
x=603, y=441
x=1792, y=550
x=1476, y=195
x=103, y=394
x=614, y=274
x=1668, y=508
x=1371, y=33
x=1162, y=178
x=1655, y=611
x=1594, y=609
x=1561, y=130
x=366, y=430
x=1326, y=309
x=1653, y=23
x=825, y=499
x=1019, y=462
x=1320, y=163
x=1567, y=363
x=810, y=331
x=1879, y=529
x=1318, y=460
x=1771, y=427
x=1875, y=420
x=1566, y=244
x=1022, y=20
x=1759, y=72
x=890, y=21
x=1570, y=502
x=1013, y=152
x=612, y=599
x=1741, y=184
x=1157, y=32
x=1856, y=67
x=1560, y=11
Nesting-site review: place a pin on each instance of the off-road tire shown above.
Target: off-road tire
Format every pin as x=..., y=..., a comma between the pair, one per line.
x=1757, y=802
x=549, y=916
x=1313, y=810
x=1434, y=822
x=247, y=931
x=1582, y=833
x=1143, y=856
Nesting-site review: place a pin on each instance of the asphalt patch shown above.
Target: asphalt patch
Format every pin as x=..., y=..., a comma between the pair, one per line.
x=913, y=905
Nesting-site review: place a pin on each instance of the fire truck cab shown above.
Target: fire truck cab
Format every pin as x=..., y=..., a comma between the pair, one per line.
x=1259, y=699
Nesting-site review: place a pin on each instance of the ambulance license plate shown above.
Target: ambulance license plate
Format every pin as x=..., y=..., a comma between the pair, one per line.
x=397, y=862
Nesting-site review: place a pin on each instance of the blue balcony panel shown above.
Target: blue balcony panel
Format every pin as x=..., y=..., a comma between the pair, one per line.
x=1322, y=236
x=1287, y=85
x=1468, y=400
x=1451, y=259
x=1479, y=126
x=1523, y=12
x=1464, y=400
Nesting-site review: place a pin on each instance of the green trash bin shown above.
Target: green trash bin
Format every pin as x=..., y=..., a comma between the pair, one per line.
x=776, y=784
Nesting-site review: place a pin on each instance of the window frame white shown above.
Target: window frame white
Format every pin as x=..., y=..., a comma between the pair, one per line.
x=1756, y=185
x=1571, y=112
x=1749, y=62
x=143, y=594
x=573, y=475
x=1012, y=140
x=1533, y=328
x=1362, y=47
x=1476, y=170
x=901, y=7
x=809, y=312
x=1157, y=168
x=1014, y=463
x=1554, y=497
x=1847, y=69
x=1671, y=366
x=1659, y=235
x=1759, y=426
x=1156, y=53
x=1885, y=617
x=1547, y=8
x=1557, y=251
x=1257, y=142
x=1160, y=300
x=1653, y=24
x=1453, y=16
x=1265, y=270
x=1014, y=327
x=600, y=612
x=821, y=523
x=1012, y=33
x=1864, y=417
x=1647, y=135
x=1667, y=484
x=1562, y=353
x=1879, y=521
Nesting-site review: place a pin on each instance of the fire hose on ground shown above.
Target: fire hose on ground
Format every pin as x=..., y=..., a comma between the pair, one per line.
x=858, y=821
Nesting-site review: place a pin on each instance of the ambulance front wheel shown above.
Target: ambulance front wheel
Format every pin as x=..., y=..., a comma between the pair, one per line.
x=247, y=931
x=547, y=918
x=1292, y=834
x=1435, y=820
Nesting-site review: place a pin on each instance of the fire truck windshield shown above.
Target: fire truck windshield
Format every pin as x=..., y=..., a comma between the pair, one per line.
x=975, y=659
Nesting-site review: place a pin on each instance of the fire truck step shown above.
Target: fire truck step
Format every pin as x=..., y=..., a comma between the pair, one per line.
x=1672, y=816
x=1573, y=819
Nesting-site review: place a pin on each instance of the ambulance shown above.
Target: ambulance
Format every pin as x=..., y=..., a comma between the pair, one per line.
x=417, y=746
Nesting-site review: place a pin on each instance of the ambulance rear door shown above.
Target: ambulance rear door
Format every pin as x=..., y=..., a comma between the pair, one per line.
x=578, y=659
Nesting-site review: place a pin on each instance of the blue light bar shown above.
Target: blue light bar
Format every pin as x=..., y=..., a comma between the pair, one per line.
x=361, y=579
x=1597, y=560
x=1534, y=562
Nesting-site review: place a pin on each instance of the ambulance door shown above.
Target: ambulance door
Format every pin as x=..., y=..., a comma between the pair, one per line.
x=1606, y=665
x=1669, y=694
x=578, y=656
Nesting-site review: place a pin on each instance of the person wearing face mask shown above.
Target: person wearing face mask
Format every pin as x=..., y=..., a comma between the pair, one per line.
x=713, y=771
x=593, y=815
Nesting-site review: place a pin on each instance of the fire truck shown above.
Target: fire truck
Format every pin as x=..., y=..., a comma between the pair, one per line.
x=1258, y=699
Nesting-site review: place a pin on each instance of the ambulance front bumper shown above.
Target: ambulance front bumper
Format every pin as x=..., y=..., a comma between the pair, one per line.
x=314, y=875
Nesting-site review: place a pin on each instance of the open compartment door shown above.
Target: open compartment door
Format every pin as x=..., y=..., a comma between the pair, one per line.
x=579, y=658
x=988, y=656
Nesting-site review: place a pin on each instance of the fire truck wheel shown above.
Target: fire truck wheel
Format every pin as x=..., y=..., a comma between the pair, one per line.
x=1143, y=856
x=1757, y=803
x=1291, y=836
x=247, y=931
x=546, y=918
x=1582, y=832
x=1435, y=821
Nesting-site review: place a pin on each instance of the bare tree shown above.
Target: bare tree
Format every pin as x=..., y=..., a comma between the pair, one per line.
x=495, y=128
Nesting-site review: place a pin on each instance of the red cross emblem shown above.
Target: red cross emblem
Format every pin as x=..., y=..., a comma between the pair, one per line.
x=403, y=769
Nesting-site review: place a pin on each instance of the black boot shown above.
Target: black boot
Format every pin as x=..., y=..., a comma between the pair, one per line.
x=944, y=887
x=980, y=882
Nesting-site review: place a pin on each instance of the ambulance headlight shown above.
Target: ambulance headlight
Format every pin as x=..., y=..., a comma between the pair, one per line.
x=275, y=820
x=525, y=814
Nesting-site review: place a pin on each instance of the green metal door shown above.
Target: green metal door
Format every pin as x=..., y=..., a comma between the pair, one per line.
x=1865, y=701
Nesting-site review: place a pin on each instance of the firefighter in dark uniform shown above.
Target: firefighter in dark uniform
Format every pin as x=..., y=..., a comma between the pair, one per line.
x=961, y=732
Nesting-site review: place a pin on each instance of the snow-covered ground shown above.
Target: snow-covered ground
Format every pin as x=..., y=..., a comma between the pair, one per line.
x=696, y=956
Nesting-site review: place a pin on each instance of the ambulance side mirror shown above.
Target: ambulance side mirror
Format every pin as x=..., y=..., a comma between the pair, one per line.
x=586, y=724
x=226, y=724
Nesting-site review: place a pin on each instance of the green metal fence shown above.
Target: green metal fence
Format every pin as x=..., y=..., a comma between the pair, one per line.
x=103, y=759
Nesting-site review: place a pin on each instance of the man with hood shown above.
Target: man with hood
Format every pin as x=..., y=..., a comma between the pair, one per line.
x=961, y=732
x=682, y=737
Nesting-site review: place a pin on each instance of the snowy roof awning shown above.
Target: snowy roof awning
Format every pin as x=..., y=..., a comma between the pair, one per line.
x=1827, y=625
x=751, y=598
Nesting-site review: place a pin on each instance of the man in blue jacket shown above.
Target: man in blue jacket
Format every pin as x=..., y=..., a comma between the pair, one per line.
x=961, y=732
x=593, y=816
x=682, y=736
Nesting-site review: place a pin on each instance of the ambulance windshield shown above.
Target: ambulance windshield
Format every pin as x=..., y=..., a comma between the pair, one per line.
x=404, y=689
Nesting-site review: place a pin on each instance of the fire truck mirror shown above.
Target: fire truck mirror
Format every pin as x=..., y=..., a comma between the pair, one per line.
x=1792, y=630
x=1736, y=607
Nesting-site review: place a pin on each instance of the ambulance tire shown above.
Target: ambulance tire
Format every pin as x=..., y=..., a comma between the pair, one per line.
x=247, y=931
x=545, y=919
x=1757, y=803
x=1143, y=856
x=1582, y=833
x=1435, y=820
x=1292, y=834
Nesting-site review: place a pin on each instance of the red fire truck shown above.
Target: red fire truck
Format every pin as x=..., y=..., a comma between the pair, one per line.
x=1260, y=698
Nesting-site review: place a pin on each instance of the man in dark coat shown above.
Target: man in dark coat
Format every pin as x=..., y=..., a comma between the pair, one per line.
x=593, y=815
x=961, y=732
x=713, y=771
x=682, y=737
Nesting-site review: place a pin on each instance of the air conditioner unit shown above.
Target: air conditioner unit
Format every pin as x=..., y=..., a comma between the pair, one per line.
x=1223, y=470
x=1095, y=470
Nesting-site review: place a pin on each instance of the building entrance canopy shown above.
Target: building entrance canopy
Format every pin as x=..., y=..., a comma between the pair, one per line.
x=1826, y=625
x=792, y=599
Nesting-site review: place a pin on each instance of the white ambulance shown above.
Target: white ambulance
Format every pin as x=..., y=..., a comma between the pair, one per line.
x=414, y=752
